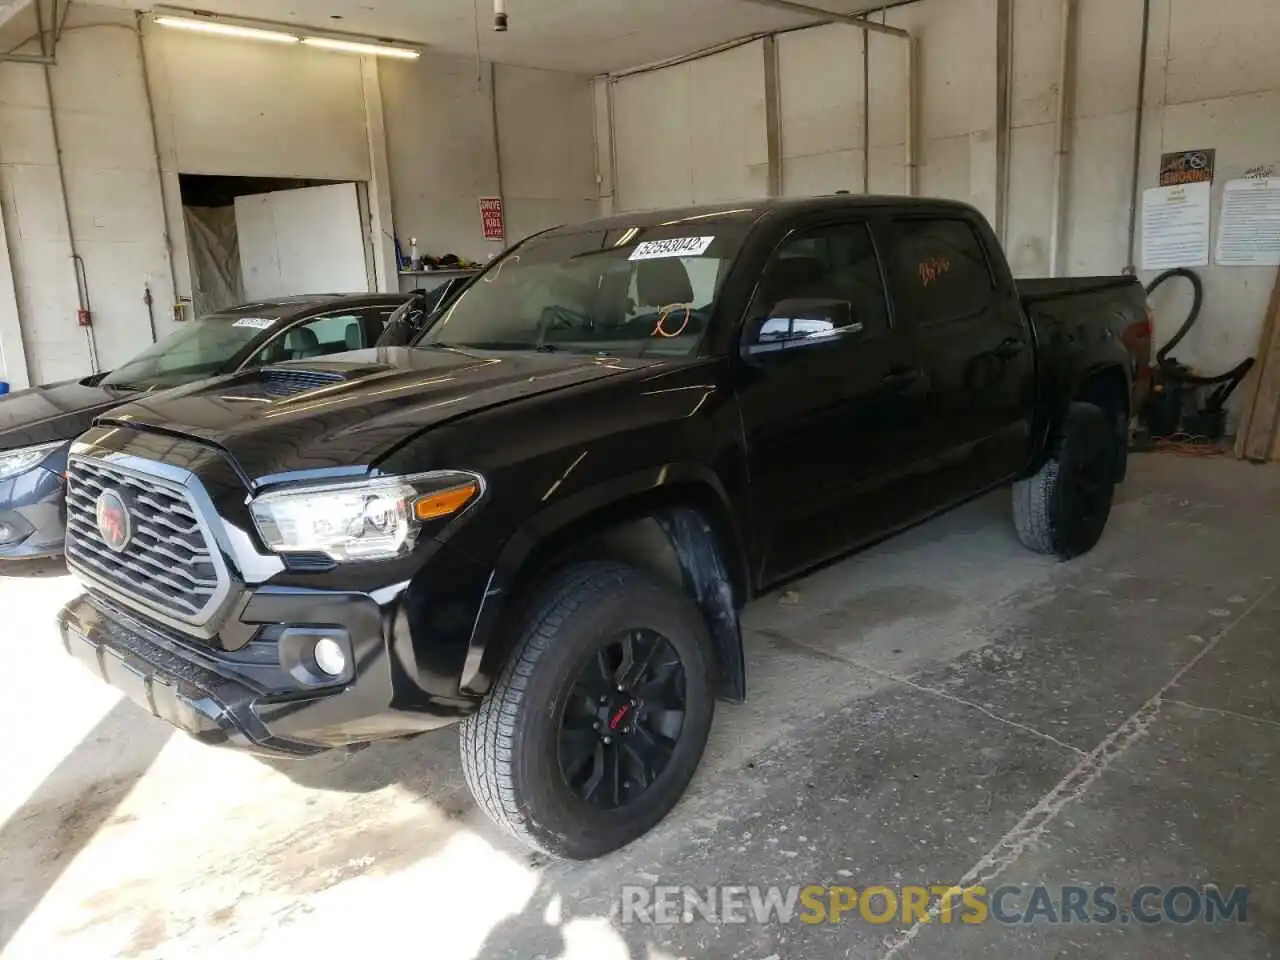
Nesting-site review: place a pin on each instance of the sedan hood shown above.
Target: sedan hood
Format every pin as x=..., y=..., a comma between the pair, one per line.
x=59, y=411
x=351, y=409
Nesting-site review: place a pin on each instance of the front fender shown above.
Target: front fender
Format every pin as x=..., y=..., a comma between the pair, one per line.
x=658, y=492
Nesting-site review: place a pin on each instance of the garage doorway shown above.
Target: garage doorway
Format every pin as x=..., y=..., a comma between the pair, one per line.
x=256, y=238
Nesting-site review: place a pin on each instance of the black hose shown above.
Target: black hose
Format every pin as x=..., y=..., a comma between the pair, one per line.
x=1197, y=287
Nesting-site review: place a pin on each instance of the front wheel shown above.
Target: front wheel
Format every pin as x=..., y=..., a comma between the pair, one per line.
x=1064, y=507
x=596, y=726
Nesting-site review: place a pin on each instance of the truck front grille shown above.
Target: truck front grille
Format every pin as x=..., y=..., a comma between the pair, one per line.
x=167, y=565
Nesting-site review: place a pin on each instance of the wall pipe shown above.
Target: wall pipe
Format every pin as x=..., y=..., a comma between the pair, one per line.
x=773, y=116
x=1137, y=137
x=44, y=41
x=33, y=58
x=611, y=109
x=155, y=144
x=866, y=111
x=497, y=139
x=912, y=162
x=1061, y=148
x=77, y=262
x=1004, y=114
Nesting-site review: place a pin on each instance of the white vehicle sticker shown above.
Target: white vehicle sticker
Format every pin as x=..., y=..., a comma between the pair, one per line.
x=258, y=323
x=676, y=247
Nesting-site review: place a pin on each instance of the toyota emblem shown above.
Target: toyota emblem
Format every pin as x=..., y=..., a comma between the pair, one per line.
x=114, y=522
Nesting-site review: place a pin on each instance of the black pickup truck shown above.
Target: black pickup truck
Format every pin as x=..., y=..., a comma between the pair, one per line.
x=543, y=518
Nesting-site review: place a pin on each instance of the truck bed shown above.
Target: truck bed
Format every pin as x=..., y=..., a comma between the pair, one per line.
x=1033, y=290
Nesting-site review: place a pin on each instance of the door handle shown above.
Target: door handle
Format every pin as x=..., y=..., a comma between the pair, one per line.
x=1009, y=347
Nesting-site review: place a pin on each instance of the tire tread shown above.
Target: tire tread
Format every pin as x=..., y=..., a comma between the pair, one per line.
x=488, y=736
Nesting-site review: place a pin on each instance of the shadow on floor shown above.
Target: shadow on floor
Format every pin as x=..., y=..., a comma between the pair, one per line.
x=43, y=836
x=43, y=568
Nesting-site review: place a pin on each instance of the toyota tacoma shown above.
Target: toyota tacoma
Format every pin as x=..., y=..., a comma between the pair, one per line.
x=543, y=518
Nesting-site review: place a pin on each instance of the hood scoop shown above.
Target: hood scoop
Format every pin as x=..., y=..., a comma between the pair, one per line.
x=288, y=381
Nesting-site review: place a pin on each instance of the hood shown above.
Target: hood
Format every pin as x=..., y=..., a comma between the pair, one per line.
x=351, y=409
x=59, y=411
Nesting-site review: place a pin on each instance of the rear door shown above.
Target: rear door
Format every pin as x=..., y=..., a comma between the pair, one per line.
x=974, y=346
x=828, y=422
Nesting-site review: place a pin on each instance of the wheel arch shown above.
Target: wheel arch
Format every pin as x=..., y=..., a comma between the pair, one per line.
x=1107, y=386
x=677, y=524
x=1104, y=384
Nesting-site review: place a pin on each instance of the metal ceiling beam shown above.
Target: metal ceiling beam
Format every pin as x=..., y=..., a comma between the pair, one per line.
x=45, y=34
x=792, y=6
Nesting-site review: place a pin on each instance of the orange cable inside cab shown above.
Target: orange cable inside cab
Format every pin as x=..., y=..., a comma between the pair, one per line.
x=660, y=328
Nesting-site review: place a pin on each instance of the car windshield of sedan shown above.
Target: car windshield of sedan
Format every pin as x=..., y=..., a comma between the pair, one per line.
x=640, y=291
x=200, y=349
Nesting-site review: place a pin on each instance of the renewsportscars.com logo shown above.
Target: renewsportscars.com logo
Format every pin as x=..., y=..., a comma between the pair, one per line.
x=906, y=905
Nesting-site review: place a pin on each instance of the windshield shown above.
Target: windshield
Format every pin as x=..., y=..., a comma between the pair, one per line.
x=638, y=292
x=200, y=349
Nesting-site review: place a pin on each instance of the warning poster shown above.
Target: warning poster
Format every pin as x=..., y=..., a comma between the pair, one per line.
x=1186, y=166
x=492, y=220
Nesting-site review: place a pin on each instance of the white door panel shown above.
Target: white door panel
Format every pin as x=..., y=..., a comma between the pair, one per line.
x=308, y=240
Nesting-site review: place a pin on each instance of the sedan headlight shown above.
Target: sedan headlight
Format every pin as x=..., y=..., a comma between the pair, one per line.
x=365, y=520
x=14, y=462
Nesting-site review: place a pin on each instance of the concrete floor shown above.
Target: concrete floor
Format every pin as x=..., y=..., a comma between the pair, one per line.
x=943, y=708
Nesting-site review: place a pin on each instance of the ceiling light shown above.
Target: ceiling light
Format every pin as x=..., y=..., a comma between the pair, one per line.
x=372, y=49
x=226, y=29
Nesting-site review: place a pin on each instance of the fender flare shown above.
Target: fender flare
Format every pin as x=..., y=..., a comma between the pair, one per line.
x=717, y=579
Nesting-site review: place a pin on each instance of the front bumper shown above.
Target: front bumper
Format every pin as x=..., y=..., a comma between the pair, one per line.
x=33, y=515
x=245, y=698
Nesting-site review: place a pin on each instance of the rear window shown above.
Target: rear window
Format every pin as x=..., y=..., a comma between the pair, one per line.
x=943, y=264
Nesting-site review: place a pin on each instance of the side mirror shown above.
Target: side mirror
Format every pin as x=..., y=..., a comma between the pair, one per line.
x=802, y=322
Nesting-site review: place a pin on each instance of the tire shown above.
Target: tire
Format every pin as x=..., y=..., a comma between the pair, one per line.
x=1063, y=509
x=512, y=747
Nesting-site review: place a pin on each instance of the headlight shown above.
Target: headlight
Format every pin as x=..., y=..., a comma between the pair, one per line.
x=366, y=520
x=14, y=462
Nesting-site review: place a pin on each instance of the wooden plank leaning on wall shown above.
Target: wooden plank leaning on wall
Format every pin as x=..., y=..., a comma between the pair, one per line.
x=1258, y=436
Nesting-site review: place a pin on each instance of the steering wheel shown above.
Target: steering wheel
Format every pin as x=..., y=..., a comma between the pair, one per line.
x=560, y=317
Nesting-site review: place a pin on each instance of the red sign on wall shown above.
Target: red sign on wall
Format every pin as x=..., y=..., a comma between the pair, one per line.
x=492, y=219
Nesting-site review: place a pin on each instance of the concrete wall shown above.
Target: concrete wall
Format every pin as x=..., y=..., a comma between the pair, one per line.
x=116, y=211
x=420, y=134
x=693, y=133
x=1214, y=82
x=443, y=154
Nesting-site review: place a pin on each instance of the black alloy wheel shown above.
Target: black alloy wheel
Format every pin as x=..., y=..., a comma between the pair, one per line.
x=597, y=722
x=623, y=719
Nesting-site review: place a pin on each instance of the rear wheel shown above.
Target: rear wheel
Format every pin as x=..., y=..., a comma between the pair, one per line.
x=1063, y=508
x=596, y=726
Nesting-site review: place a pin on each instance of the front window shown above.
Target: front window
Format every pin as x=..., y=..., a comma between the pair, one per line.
x=637, y=292
x=200, y=349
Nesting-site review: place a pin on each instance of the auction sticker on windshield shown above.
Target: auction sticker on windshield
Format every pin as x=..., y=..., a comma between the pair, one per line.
x=257, y=323
x=675, y=247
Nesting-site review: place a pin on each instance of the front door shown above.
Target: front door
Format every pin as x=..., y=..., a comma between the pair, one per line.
x=828, y=419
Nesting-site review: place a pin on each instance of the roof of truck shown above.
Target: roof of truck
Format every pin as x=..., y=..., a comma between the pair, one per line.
x=749, y=211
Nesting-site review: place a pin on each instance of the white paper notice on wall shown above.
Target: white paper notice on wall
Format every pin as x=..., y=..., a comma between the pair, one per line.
x=676, y=247
x=1175, y=226
x=1249, y=225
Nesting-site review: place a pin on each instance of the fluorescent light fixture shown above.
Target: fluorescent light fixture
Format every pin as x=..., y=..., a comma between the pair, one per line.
x=226, y=29
x=371, y=49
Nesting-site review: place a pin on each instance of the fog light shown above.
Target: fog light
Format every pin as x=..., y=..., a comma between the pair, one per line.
x=330, y=657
